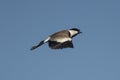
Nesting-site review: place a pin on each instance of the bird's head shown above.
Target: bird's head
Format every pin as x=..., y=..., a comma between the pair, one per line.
x=74, y=31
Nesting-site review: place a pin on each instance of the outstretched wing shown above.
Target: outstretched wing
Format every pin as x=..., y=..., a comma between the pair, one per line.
x=58, y=45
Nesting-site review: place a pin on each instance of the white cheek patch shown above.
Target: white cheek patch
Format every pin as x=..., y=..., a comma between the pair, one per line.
x=72, y=32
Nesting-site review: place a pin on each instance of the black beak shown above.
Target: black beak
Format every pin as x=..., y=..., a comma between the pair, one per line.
x=80, y=32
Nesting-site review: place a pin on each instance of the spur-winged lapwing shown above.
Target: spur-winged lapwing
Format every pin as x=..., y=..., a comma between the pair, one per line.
x=60, y=40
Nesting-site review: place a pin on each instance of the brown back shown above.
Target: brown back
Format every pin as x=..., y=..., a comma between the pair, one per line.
x=60, y=34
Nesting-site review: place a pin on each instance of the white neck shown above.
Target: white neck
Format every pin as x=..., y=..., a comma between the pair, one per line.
x=73, y=32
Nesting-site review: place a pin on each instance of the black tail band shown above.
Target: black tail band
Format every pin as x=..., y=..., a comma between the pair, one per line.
x=34, y=47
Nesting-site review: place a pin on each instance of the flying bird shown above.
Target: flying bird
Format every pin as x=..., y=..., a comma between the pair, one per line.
x=60, y=40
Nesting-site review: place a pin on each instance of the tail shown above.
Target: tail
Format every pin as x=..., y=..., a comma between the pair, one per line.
x=34, y=47
x=41, y=43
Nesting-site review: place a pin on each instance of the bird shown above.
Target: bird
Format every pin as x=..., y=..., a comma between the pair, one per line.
x=61, y=39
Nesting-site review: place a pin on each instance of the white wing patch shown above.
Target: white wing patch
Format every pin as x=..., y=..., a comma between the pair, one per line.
x=61, y=40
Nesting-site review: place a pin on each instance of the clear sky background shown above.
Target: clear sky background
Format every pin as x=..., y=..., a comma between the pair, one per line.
x=24, y=23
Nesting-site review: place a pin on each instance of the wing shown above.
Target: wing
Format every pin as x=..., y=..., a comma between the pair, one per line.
x=58, y=45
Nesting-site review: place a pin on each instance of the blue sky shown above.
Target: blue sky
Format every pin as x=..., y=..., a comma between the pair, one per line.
x=24, y=23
